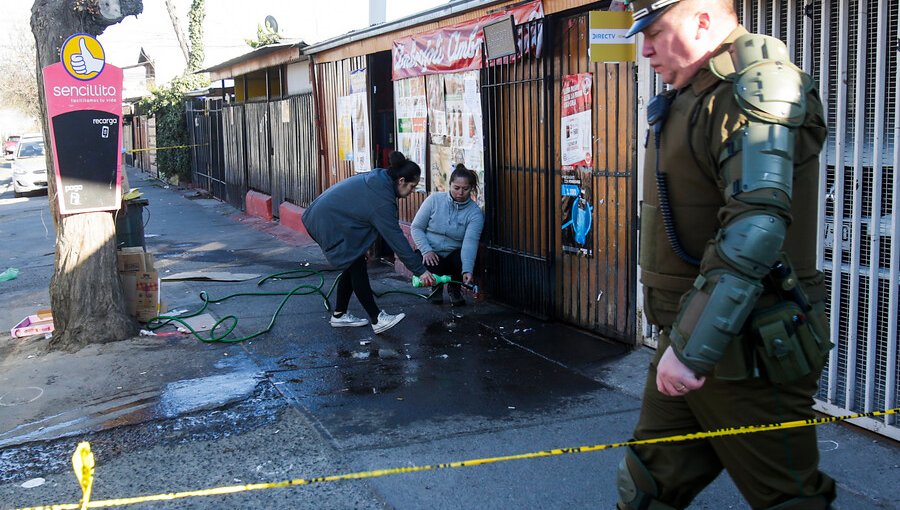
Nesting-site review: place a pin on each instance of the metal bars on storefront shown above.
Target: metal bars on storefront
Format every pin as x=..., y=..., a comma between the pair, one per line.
x=517, y=165
x=849, y=47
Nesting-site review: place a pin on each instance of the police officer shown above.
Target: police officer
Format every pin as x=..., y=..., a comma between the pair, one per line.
x=728, y=237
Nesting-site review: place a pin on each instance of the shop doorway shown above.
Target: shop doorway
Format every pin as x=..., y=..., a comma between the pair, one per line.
x=518, y=162
x=539, y=261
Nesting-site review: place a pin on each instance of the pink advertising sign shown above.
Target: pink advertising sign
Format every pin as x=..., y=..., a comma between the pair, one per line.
x=84, y=106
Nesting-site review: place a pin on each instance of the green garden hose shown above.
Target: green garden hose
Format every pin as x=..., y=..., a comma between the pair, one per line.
x=303, y=289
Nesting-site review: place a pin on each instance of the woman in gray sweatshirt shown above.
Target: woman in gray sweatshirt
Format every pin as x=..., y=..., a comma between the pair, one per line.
x=446, y=231
x=345, y=220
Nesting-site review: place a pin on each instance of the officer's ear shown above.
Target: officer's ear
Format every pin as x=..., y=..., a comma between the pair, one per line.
x=703, y=24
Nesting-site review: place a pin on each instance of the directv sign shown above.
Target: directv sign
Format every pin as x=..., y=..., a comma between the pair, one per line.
x=84, y=106
x=607, y=37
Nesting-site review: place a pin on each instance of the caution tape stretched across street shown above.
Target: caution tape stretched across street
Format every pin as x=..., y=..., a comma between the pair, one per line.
x=86, y=484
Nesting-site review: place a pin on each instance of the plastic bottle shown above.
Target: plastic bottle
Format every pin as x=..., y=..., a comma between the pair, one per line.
x=437, y=278
x=10, y=274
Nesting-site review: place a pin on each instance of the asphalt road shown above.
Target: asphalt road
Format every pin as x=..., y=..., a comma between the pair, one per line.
x=28, y=244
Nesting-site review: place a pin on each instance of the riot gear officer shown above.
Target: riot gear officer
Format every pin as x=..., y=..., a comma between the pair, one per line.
x=727, y=255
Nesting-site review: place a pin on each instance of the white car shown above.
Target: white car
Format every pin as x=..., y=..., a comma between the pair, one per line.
x=29, y=165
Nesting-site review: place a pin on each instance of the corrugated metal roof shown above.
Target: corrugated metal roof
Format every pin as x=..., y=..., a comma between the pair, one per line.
x=259, y=53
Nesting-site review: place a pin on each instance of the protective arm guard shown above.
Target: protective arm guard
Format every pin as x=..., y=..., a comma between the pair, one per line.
x=757, y=167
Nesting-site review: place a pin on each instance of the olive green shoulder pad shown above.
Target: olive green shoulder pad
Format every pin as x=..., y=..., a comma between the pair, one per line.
x=767, y=86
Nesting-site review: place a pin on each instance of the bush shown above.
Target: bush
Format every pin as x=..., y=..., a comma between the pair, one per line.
x=166, y=104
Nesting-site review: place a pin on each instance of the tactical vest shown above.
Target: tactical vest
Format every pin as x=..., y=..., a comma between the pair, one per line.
x=702, y=116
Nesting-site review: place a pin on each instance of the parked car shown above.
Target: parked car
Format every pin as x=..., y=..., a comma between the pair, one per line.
x=9, y=145
x=29, y=165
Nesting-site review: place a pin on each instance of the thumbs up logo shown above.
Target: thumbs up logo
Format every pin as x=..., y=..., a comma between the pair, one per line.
x=83, y=56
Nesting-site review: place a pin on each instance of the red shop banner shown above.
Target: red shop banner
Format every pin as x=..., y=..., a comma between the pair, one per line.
x=453, y=49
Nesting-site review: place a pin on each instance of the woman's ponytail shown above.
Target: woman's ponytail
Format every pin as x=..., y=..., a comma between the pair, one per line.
x=399, y=166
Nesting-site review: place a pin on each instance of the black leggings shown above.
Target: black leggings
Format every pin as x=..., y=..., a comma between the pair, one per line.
x=355, y=280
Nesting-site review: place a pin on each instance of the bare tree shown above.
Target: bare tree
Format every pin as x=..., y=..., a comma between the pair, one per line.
x=85, y=294
x=18, y=83
x=179, y=33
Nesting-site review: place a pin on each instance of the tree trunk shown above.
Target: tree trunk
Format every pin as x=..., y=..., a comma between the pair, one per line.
x=85, y=293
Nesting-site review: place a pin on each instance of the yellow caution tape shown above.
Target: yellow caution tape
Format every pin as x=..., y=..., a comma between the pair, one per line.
x=83, y=464
x=131, y=151
x=231, y=489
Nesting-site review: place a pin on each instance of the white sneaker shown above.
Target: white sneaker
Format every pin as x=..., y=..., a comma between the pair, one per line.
x=348, y=321
x=386, y=321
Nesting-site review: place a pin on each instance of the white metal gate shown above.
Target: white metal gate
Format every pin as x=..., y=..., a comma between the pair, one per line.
x=851, y=48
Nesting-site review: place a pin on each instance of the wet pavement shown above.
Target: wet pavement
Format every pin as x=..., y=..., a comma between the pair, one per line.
x=168, y=412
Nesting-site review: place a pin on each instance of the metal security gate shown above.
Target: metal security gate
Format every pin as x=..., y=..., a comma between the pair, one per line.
x=235, y=157
x=259, y=148
x=596, y=287
x=204, y=123
x=849, y=47
x=518, y=151
x=294, y=154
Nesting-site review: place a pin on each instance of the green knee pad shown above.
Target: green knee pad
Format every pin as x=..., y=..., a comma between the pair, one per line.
x=819, y=502
x=636, y=486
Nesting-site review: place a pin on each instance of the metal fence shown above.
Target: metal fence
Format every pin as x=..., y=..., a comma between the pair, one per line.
x=268, y=147
x=235, y=157
x=204, y=123
x=294, y=150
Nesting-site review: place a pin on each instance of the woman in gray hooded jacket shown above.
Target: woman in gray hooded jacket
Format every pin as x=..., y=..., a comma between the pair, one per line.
x=346, y=219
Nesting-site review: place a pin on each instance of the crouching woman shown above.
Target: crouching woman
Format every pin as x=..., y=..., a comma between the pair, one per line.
x=346, y=219
x=446, y=230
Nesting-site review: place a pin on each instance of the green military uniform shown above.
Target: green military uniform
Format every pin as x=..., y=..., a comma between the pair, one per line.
x=709, y=156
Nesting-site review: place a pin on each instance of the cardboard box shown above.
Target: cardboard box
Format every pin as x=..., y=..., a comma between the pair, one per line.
x=132, y=259
x=147, y=296
x=141, y=292
x=140, y=283
x=129, y=289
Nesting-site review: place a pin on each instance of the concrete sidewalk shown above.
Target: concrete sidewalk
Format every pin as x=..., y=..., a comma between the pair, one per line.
x=169, y=413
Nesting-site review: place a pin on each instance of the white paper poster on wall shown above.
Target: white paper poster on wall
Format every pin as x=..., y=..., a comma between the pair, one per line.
x=362, y=143
x=437, y=108
x=440, y=160
x=575, y=128
x=345, y=128
x=463, y=141
x=412, y=114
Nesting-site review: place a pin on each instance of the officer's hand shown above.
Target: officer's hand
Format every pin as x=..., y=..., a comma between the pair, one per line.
x=467, y=278
x=674, y=378
x=430, y=259
x=427, y=279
